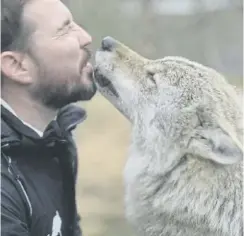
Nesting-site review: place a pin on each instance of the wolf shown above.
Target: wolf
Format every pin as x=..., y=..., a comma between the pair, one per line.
x=184, y=172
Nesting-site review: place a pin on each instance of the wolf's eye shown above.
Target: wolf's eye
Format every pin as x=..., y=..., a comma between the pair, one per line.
x=150, y=75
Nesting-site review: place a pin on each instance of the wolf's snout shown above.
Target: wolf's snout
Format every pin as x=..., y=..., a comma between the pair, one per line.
x=108, y=43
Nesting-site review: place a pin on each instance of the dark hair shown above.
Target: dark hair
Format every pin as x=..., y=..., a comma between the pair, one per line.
x=14, y=32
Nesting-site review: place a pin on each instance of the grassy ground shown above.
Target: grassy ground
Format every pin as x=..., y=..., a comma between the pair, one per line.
x=102, y=142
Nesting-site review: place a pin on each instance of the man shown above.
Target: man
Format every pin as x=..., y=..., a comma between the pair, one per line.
x=44, y=67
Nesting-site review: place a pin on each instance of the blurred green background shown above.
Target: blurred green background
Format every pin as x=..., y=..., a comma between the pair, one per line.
x=207, y=31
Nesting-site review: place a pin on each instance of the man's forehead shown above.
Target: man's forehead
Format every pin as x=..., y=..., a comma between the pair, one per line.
x=46, y=13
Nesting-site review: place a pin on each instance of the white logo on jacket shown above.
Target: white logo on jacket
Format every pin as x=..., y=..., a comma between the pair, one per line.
x=57, y=225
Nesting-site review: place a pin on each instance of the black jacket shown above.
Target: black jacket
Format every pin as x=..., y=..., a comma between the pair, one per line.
x=38, y=176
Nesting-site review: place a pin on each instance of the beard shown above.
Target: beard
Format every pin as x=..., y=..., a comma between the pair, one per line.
x=56, y=90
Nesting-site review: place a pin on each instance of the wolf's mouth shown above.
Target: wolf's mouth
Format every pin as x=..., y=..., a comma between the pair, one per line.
x=104, y=82
x=101, y=79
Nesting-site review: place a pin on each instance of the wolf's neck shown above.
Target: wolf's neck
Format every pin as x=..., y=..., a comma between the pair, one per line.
x=159, y=155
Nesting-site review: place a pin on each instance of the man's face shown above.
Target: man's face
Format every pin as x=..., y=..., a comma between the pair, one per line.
x=59, y=56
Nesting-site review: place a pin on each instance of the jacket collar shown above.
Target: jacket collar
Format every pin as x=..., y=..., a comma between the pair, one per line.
x=9, y=108
x=13, y=129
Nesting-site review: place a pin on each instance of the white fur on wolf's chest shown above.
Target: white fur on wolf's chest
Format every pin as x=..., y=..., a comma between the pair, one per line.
x=172, y=206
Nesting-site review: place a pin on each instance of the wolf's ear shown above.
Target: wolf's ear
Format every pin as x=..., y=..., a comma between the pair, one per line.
x=216, y=140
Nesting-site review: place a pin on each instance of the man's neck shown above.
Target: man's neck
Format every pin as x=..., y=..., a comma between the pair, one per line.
x=29, y=111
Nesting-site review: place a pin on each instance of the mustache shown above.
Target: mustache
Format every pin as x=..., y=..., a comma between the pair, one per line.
x=88, y=53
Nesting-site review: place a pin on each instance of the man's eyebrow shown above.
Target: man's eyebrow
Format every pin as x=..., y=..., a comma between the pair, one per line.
x=65, y=23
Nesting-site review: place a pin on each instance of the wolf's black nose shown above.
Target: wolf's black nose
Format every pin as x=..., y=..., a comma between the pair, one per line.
x=108, y=43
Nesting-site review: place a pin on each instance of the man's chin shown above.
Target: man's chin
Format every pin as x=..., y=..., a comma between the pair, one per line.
x=89, y=94
x=87, y=87
x=60, y=98
x=85, y=93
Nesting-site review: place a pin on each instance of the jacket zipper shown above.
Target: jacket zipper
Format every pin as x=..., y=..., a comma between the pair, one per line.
x=18, y=179
x=26, y=196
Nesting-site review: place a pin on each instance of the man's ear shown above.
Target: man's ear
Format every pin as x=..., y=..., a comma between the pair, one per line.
x=216, y=140
x=14, y=65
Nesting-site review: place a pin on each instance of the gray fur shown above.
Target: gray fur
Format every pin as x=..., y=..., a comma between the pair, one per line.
x=183, y=176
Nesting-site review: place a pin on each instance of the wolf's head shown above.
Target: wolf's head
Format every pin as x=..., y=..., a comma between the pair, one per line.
x=188, y=104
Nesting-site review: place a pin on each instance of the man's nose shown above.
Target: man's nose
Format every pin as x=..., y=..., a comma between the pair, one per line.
x=108, y=43
x=84, y=37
